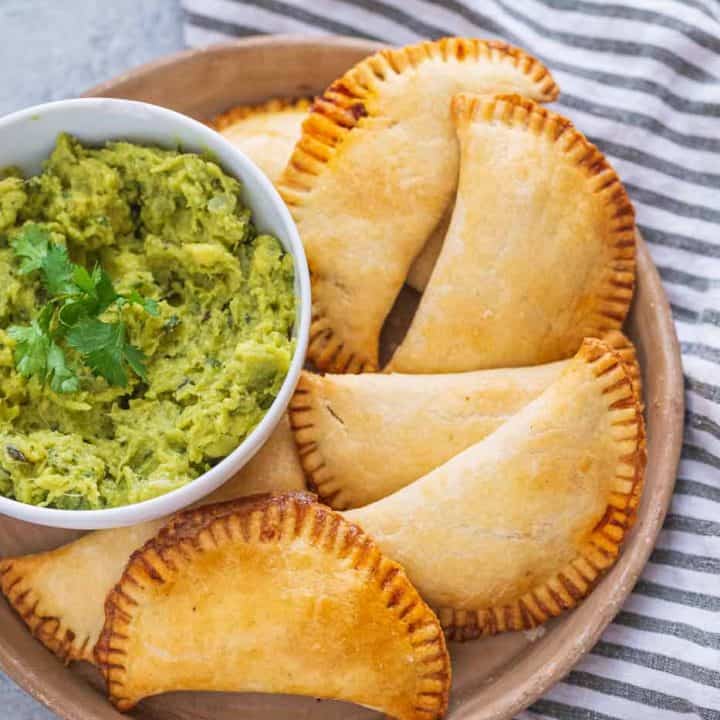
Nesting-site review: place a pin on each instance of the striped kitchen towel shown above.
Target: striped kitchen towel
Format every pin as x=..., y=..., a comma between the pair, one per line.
x=642, y=80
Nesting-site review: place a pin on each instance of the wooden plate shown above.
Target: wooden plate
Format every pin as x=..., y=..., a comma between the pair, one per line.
x=493, y=678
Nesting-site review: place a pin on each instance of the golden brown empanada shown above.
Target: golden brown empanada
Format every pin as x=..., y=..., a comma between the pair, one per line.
x=266, y=133
x=272, y=594
x=373, y=173
x=347, y=427
x=540, y=251
x=523, y=523
x=60, y=594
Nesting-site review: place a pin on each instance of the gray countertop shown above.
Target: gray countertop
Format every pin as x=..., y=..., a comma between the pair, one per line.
x=53, y=49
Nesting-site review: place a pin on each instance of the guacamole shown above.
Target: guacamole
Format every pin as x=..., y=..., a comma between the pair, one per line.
x=170, y=227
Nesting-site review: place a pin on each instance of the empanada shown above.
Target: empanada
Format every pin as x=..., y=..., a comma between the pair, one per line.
x=520, y=526
x=266, y=133
x=272, y=594
x=59, y=594
x=362, y=437
x=540, y=251
x=373, y=173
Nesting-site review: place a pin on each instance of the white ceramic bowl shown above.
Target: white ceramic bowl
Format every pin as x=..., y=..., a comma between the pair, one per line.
x=28, y=137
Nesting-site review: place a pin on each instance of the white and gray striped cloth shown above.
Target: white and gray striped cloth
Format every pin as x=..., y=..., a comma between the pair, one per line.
x=642, y=80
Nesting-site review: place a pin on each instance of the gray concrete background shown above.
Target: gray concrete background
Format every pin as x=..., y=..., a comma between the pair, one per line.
x=53, y=49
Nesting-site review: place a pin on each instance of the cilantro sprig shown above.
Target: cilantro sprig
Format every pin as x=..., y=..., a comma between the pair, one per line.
x=70, y=318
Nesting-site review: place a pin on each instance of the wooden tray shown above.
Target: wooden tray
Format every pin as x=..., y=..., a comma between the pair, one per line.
x=493, y=678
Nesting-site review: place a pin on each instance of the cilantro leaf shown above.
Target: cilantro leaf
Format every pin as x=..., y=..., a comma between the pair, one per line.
x=37, y=354
x=97, y=295
x=136, y=360
x=45, y=317
x=90, y=334
x=71, y=311
x=64, y=379
x=83, y=279
x=107, y=363
x=77, y=298
x=31, y=245
x=32, y=345
x=58, y=271
x=105, y=349
x=104, y=290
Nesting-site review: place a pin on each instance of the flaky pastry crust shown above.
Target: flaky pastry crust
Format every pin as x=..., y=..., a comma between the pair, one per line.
x=283, y=595
x=524, y=523
x=540, y=252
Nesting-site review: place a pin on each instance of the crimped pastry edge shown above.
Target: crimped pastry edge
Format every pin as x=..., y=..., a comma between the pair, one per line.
x=334, y=115
x=624, y=347
x=51, y=630
x=576, y=579
x=263, y=518
x=270, y=107
x=614, y=293
x=302, y=411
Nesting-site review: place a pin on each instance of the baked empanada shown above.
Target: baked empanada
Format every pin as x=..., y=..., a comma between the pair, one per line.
x=522, y=524
x=60, y=594
x=272, y=594
x=362, y=437
x=540, y=251
x=266, y=133
x=373, y=173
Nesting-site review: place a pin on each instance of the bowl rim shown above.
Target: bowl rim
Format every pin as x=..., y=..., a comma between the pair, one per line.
x=203, y=484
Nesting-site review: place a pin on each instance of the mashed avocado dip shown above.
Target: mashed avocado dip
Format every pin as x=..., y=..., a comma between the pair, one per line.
x=211, y=337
